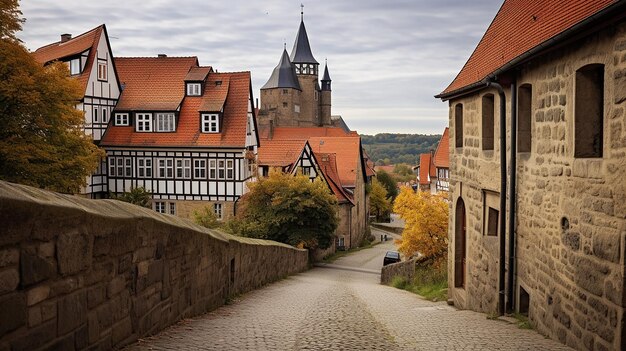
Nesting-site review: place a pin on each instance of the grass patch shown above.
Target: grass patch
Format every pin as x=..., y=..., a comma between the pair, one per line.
x=332, y=258
x=522, y=321
x=430, y=282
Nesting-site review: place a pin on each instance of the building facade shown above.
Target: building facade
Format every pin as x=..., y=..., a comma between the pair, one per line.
x=542, y=230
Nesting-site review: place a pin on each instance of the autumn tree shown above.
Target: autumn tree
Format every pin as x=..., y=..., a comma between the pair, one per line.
x=389, y=183
x=380, y=204
x=289, y=209
x=426, y=223
x=42, y=142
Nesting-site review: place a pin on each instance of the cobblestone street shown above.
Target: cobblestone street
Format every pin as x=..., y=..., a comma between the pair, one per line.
x=343, y=307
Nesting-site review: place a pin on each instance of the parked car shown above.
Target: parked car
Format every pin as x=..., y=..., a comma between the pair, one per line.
x=391, y=257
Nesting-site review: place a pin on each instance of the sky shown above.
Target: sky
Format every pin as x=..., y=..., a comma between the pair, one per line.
x=386, y=58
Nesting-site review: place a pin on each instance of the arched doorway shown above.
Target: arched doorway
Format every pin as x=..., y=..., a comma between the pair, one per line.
x=460, y=238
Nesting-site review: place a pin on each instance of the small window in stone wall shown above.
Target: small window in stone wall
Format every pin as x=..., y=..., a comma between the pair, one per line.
x=492, y=222
x=458, y=125
x=589, y=111
x=491, y=212
x=524, y=117
x=487, y=121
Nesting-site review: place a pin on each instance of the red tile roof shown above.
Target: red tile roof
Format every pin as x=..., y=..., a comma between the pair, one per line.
x=279, y=152
x=425, y=169
x=233, y=123
x=198, y=74
x=442, y=155
x=291, y=133
x=520, y=26
x=328, y=166
x=347, y=153
x=75, y=46
x=152, y=83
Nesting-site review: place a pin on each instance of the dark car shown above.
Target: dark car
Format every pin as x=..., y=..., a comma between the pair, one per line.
x=391, y=257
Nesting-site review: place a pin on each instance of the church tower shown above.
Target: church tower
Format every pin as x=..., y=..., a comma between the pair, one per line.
x=325, y=101
x=307, y=71
x=280, y=96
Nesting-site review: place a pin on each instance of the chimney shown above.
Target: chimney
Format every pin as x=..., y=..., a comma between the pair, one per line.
x=161, y=55
x=65, y=37
x=271, y=134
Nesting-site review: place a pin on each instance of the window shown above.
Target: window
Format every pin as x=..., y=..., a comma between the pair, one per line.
x=210, y=123
x=111, y=166
x=121, y=119
x=492, y=221
x=524, y=118
x=74, y=66
x=285, y=91
x=212, y=169
x=199, y=169
x=95, y=114
x=120, y=166
x=296, y=108
x=220, y=169
x=218, y=210
x=458, y=125
x=306, y=171
x=159, y=206
x=491, y=213
x=165, y=122
x=230, y=169
x=193, y=89
x=285, y=104
x=487, y=121
x=589, y=111
x=128, y=167
x=172, y=208
x=144, y=122
x=144, y=167
x=183, y=168
x=102, y=70
x=104, y=115
x=165, y=168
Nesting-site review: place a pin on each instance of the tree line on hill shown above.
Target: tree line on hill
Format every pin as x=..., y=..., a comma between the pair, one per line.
x=391, y=148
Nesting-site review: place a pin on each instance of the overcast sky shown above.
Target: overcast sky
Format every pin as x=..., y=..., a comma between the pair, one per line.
x=387, y=58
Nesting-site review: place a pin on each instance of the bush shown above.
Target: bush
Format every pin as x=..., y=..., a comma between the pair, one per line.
x=399, y=282
x=206, y=217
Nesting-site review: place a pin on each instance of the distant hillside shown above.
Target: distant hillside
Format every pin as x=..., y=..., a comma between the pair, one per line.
x=387, y=148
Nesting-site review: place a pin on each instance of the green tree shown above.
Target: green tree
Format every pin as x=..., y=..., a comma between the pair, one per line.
x=42, y=142
x=389, y=183
x=136, y=196
x=379, y=200
x=288, y=209
x=206, y=217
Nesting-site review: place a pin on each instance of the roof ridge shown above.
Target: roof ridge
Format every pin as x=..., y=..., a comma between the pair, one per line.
x=70, y=40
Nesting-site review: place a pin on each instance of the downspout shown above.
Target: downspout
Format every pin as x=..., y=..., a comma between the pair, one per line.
x=502, y=220
x=510, y=301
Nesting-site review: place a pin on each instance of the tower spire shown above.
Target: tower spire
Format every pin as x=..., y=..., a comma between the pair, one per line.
x=301, y=12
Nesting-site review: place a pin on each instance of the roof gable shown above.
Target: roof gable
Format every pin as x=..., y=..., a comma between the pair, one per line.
x=442, y=155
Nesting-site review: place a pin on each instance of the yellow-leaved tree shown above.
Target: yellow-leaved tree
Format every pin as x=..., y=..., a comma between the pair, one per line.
x=426, y=223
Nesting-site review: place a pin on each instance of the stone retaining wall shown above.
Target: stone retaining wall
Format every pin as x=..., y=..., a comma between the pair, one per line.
x=404, y=269
x=77, y=273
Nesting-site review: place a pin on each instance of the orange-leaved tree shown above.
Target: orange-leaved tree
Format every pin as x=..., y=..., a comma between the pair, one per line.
x=426, y=223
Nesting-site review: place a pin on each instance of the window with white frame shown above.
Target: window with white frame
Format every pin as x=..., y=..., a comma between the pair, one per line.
x=121, y=119
x=144, y=167
x=120, y=166
x=212, y=169
x=104, y=115
x=102, y=70
x=296, y=108
x=144, y=122
x=183, y=168
x=159, y=206
x=165, y=122
x=199, y=169
x=74, y=66
x=210, y=123
x=230, y=169
x=193, y=89
x=165, y=167
x=221, y=169
x=217, y=207
x=128, y=167
x=111, y=166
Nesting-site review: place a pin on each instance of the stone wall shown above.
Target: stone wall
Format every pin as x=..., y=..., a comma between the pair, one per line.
x=405, y=269
x=571, y=212
x=99, y=274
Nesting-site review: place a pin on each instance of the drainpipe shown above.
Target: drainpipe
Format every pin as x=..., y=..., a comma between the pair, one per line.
x=502, y=221
x=510, y=300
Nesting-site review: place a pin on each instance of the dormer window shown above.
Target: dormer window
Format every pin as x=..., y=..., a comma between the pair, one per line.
x=193, y=89
x=144, y=122
x=165, y=122
x=210, y=123
x=121, y=119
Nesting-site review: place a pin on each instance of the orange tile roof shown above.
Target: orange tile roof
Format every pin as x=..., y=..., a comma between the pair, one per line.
x=425, y=169
x=291, y=133
x=152, y=83
x=328, y=166
x=198, y=74
x=279, y=152
x=75, y=46
x=348, y=155
x=442, y=155
x=519, y=26
x=233, y=123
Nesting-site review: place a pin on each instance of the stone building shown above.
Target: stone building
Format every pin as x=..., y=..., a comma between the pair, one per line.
x=543, y=231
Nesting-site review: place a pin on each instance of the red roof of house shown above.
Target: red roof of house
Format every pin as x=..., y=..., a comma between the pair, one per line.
x=232, y=93
x=198, y=74
x=302, y=133
x=519, y=26
x=425, y=169
x=347, y=153
x=442, y=155
x=279, y=152
x=328, y=166
x=152, y=83
x=75, y=46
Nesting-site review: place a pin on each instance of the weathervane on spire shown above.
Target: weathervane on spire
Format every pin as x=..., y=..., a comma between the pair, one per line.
x=301, y=12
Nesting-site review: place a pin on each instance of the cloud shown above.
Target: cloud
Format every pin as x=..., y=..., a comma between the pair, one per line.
x=387, y=59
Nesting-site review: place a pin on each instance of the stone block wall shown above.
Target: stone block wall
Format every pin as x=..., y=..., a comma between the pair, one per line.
x=99, y=274
x=405, y=269
x=571, y=212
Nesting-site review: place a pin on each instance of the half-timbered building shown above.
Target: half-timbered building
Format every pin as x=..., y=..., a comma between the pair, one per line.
x=90, y=60
x=184, y=132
